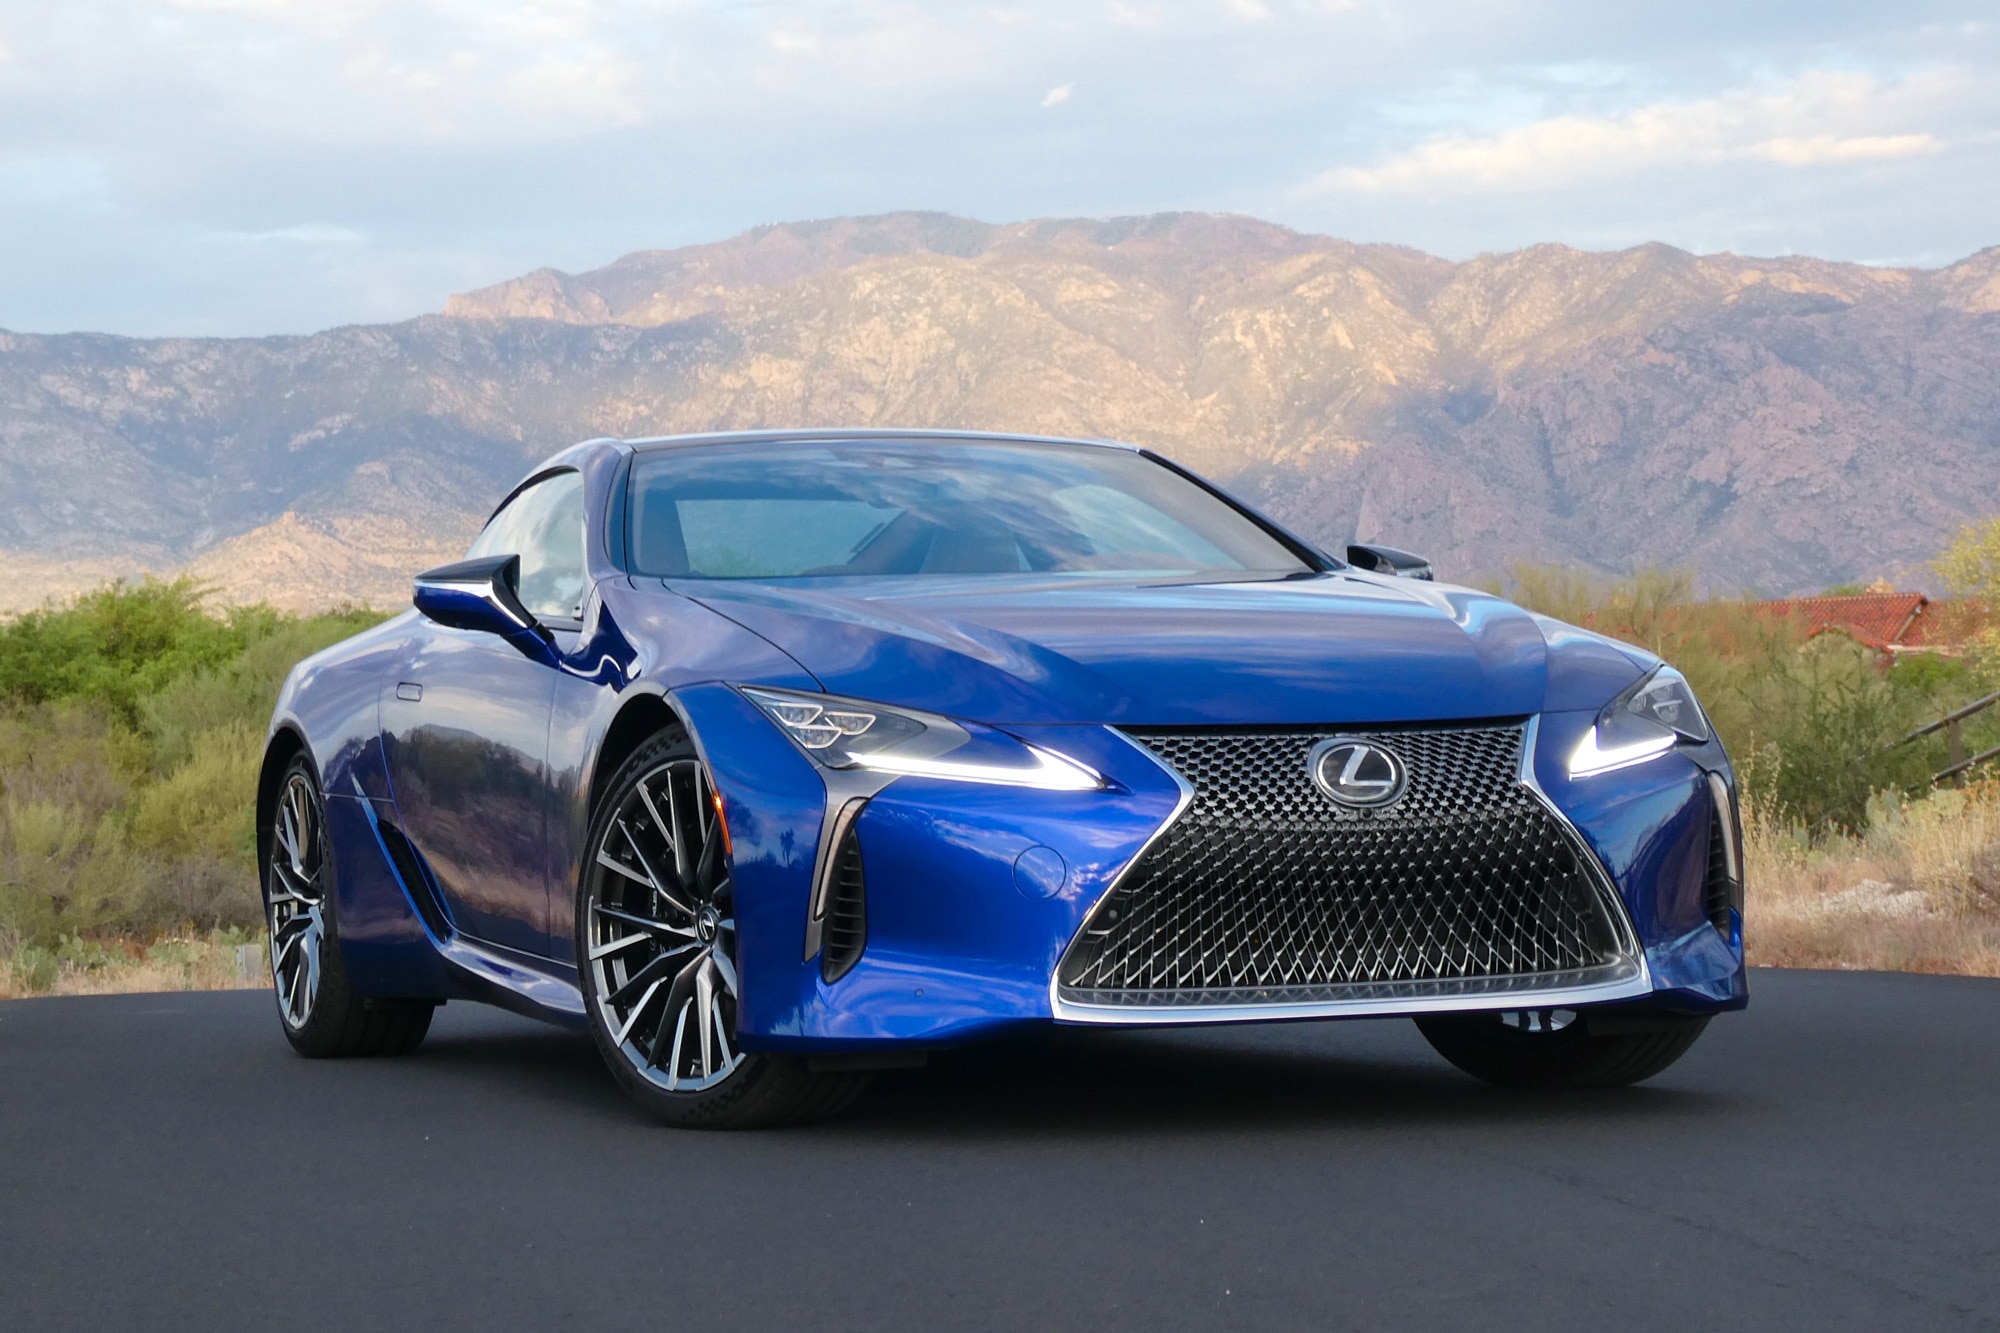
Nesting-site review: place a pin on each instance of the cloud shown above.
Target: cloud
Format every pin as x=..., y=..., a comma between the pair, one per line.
x=1829, y=148
x=177, y=164
x=1814, y=119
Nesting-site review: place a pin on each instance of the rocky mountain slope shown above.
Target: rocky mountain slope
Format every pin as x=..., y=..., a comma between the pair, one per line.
x=1775, y=424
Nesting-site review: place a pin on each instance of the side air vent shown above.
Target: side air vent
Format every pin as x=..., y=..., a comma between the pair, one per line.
x=1725, y=857
x=410, y=869
x=846, y=930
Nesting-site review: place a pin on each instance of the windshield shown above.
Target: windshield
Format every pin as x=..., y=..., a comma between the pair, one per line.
x=778, y=511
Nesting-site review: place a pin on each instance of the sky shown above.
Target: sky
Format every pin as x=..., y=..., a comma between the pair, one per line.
x=279, y=166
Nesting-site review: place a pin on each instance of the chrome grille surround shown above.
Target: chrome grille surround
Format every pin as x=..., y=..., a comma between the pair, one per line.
x=1467, y=867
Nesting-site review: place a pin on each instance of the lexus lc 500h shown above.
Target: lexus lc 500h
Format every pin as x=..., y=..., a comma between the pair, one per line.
x=771, y=758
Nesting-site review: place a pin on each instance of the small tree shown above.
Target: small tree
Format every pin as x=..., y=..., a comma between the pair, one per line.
x=1970, y=567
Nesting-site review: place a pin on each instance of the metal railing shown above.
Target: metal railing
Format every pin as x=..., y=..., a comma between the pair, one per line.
x=1954, y=746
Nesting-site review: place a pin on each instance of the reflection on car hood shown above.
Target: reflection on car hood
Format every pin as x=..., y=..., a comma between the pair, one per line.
x=1328, y=649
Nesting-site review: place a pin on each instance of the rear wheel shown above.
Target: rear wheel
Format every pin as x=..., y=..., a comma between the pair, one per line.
x=656, y=948
x=1558, y=1048
x=321, y=1014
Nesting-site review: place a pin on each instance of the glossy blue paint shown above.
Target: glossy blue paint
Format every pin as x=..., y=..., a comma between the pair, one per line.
x=974, y=891
x=1648, y=825
x=467, y=610
x=468, y=770
x=387, y=949
x=331, y=701
x=1040, y=872
x=1324, y=648
x=954, y=948
x=773, y=798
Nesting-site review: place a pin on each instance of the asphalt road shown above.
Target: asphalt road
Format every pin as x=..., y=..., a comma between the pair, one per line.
x=1830, y=1159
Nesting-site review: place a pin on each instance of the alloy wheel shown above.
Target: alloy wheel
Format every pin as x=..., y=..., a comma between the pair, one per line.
x=660, y=935
x=295, y=899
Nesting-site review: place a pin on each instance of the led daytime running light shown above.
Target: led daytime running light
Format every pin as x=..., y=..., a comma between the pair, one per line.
x=841, y=734
x=1052, y=772
x=1652, y=716
x=1590, y=758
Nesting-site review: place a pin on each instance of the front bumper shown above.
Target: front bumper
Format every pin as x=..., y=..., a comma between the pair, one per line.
x=974, y=893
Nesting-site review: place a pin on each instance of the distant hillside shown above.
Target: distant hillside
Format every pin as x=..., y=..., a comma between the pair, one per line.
x=1777, y=424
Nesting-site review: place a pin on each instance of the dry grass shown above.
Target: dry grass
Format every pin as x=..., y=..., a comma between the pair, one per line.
x=1919, y=891
x=225, y=960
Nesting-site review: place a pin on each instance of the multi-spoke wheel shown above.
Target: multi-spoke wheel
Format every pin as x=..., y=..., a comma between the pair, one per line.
x=322, y=1015
x=1552, y=1048
x=295, y=898
x=656, y=947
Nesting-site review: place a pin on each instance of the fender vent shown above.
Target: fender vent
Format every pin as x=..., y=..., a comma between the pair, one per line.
x=846, y=931
x=416, y=881
x=1725, y=858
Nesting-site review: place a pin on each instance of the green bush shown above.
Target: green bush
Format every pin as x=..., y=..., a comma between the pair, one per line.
x=131, y=726
x=115, y=646
x=204, y=805
x=240, y=691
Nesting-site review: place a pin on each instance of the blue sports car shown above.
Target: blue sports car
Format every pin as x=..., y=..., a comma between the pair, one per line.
x=771, y=759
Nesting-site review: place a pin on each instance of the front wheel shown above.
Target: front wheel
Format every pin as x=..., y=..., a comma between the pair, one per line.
x=656, y=949
x=1557, y=1048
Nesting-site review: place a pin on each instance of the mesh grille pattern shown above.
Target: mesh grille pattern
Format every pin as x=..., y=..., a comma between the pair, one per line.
x=1266, y=891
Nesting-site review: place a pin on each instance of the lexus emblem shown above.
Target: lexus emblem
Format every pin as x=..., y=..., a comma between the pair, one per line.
x=1357, y=773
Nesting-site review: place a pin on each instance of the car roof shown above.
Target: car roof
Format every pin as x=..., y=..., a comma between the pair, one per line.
x=861, y=433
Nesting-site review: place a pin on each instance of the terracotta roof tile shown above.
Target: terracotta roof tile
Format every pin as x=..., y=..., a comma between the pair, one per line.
x=1877, y=619
x=1887, y=621
x=1948, y=623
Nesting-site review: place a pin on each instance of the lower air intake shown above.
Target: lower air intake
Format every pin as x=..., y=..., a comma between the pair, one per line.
x=1266, y=891
x=846, y=930
x=1724, y=893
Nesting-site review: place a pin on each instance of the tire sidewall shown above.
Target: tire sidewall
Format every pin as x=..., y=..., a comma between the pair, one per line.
x=1482, y=1045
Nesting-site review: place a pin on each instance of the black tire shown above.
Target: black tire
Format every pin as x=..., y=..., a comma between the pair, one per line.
x=614, y=909
x=321, y=1015
x=1519, y=1049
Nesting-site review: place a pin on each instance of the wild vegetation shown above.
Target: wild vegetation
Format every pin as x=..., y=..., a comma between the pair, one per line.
x=1855, y=858
x=131, y=724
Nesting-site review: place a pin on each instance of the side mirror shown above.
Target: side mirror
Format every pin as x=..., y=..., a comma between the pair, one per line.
x=1388, y=560
x=479, y=595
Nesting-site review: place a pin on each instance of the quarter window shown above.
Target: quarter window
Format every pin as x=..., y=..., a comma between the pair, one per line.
x=544, y=526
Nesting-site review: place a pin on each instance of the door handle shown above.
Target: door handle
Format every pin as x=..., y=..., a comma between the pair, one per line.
x=409, y=691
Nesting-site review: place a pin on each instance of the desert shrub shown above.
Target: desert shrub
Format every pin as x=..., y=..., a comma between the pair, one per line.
x=115, y=646
x=131, y=726
x=238, y=692
x=70, y=754
x=204, y=806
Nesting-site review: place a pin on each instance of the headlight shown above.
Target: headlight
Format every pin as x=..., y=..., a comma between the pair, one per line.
x=845, y=733
x=1648, y=719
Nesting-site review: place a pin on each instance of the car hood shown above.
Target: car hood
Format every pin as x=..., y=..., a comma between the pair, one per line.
x=1332, y=648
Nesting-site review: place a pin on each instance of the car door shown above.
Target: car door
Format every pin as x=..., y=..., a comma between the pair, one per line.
x=466, y=726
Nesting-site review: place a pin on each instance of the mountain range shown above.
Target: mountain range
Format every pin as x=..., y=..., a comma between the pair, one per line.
x=1772, y=424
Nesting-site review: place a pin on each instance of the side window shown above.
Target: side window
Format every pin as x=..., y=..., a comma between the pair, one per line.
x=544, y=526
